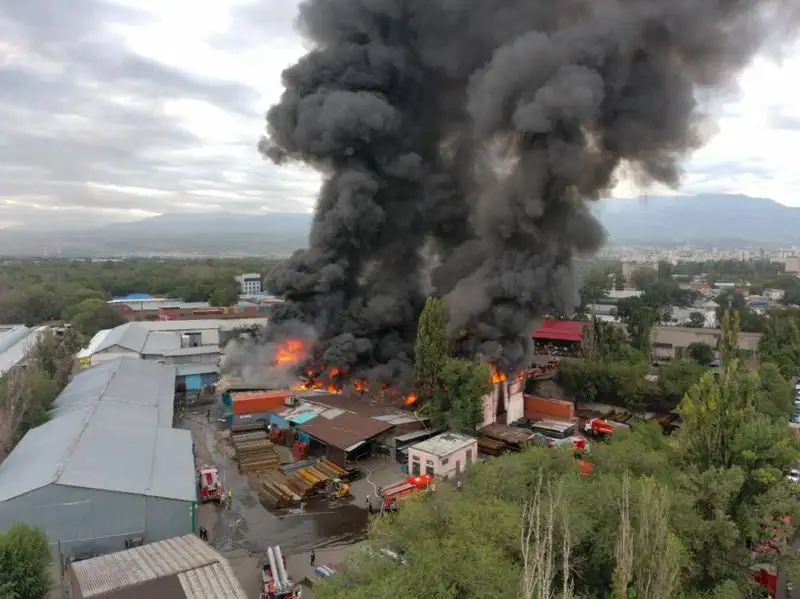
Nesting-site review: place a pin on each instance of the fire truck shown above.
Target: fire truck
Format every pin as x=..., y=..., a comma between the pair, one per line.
x=391, y=494
x=275, y=582
x=599, y=427
x=208, y=483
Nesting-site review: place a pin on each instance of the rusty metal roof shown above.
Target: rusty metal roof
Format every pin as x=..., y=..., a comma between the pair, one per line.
x=200, y=570
x=341, y=429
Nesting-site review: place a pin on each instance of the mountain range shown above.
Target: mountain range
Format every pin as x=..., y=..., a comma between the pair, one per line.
x=710, y=219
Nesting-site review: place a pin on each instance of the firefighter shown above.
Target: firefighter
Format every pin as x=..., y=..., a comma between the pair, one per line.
x=313, y=558
x=230, y=498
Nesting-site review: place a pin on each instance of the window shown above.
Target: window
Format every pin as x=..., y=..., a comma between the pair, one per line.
x=415, y=458
x=444, y=461
x=429, y=462
x=469, y=456
x=429, y=470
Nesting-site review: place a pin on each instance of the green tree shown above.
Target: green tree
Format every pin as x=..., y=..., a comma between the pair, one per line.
x=639, y=318
x=729, y=341
x=777, y=392
x=700, y=352
x=643, y=278
x=431, y=349
x=676, y=378
x=94, y=315
x=604, y=341
x=224, y=295
x=696, y=320
x=596, y=285
x=465, y=383
x=24, y=563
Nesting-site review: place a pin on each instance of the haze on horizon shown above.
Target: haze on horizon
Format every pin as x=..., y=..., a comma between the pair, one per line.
x=158, y=107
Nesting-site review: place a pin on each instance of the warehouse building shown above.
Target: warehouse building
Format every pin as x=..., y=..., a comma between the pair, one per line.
x=107, y=469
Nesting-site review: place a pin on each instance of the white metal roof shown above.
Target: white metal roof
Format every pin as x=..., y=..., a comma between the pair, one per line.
x=202, y=572
x=445, y=444
x=15, y=343
x=111, y=429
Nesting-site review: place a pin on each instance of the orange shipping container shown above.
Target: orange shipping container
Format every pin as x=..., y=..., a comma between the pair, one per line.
x=255, y=403
x=545, y=407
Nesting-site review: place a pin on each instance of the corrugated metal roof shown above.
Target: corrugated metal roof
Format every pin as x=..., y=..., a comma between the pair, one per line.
x=131, y=335
x=159, y=342
x=203, y=573
x=16, y=344
x=345, y=429
x=110, y=430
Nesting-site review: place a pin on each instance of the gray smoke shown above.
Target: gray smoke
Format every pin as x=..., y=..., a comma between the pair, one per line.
x=255, y=361
x=479, y=131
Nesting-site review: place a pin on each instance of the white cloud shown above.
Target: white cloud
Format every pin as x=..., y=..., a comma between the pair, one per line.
x=159, y=105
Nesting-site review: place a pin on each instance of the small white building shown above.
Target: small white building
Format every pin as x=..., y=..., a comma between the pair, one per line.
x=249, y=283
x=444, y=455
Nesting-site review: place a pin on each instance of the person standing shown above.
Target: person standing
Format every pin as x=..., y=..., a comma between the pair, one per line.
x=313, y=558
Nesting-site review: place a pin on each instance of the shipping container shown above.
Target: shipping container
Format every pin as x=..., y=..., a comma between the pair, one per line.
x=267, y=401
x=544, y=407
x=251, y=418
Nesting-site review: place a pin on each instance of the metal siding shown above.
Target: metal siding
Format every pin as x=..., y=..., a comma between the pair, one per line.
x=194, y=382
x=80, y=519
x=167, y=518
x=247, y=418
x=279, y=421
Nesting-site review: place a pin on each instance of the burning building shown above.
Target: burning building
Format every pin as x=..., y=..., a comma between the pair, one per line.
x=461, y=144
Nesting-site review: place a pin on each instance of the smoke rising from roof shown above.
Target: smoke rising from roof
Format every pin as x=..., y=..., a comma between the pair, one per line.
x=476, y=132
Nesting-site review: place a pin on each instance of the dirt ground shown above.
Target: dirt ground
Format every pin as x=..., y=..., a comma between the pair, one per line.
x=243, y=532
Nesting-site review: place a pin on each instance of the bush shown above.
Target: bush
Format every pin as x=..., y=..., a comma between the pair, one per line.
x=24, y=563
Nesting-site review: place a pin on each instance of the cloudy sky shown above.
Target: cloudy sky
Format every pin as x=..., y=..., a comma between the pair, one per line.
x=119, y=109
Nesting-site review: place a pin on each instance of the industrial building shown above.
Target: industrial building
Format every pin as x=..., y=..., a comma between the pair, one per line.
x=672, y=343
x=445, y=455
x=194, y=347
x=249, y=283
x=179, y=568
x=107, y=469
x=15, y=342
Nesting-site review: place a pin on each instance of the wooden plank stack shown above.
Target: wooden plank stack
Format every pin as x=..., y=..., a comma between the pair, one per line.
x=297, y=482
x=254, y=451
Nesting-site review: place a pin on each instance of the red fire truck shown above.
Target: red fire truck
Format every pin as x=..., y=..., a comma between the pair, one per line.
x=209, y=485
x=391, y=494
x=275, y=582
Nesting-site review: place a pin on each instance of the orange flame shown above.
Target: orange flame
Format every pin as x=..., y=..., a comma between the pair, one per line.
x=497, y=376
x=410, y=399
x=360, y=386
x=289, y=352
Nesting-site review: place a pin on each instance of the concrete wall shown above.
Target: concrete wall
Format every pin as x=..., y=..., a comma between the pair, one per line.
x=443, y=466
x=514, y=402
x=671, y=342
x=91, y=520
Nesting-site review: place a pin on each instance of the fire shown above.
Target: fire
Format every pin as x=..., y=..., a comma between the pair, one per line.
x=360, y=386
x=289, y=352
x=497, y=376
x=410, y=399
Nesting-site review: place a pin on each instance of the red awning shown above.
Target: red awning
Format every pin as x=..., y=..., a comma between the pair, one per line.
x=560, y=330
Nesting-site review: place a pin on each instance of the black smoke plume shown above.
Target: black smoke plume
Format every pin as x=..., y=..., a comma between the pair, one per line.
x=474, y=134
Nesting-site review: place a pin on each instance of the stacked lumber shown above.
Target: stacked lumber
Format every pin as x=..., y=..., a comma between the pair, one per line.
x=489, y=446
x=276, y=491
x=254, y=452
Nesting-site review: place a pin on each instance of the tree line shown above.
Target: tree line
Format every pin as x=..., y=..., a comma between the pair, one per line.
x=38, y=291
x=657, y=518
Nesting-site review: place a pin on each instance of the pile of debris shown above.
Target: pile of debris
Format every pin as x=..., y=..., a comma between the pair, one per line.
x=254, y=451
